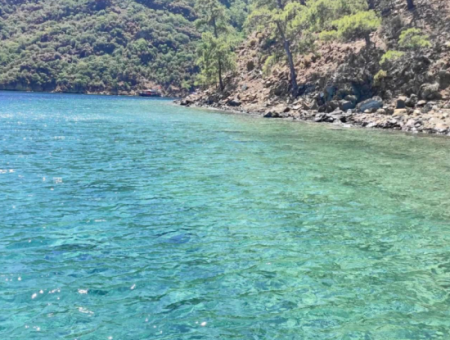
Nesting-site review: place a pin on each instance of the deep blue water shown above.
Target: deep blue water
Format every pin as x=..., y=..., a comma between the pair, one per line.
x=131, y=218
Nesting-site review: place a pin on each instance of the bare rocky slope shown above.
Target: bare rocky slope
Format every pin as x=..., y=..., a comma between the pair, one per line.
x=341, y=83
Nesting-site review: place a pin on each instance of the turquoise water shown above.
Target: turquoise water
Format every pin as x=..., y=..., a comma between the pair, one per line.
x=128, y=218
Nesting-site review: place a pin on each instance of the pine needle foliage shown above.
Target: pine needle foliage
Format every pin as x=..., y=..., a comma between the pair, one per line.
x=414, y=39
x=390, y=56
x=319, y=15
x=355, y=26
x=276, y=17
x=215, y=56
x=216, y=48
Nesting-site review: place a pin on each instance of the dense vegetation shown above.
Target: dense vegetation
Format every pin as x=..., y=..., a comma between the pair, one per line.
x=100, y=45
x=293, y=27
x=117, y=46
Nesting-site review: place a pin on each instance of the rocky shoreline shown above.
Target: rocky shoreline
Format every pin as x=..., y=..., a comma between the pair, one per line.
x=406, y=114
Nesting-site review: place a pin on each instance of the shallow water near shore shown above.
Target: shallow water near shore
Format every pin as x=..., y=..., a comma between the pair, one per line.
x=131, y=218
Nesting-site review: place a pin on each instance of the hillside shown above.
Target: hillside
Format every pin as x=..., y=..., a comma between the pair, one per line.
x=97, y=46
x=386, y=84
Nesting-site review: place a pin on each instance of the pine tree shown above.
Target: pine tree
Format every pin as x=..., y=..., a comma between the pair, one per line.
x=215, y=57
x=277, y=16
x=339, y=19
x=358, y=25
x=214, y=21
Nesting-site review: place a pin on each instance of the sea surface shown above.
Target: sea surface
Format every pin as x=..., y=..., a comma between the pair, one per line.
x=131, y=218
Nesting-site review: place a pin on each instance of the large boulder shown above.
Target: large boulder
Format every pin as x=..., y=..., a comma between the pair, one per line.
x=401, y=102
x=186, y=102
x=346, y=105
x=444, y=78
x=272, y=114
x=371, y=105
x=430, y=91
x=281, y=88
x=351, y=98
x=331, y=106
x=411, y=101
x=234, y=102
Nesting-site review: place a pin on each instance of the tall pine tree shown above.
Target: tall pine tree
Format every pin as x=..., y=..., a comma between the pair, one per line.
x=277, y=16
x=215, y=50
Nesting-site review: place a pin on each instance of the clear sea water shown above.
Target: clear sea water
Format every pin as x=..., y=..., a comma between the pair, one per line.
x=129, y=218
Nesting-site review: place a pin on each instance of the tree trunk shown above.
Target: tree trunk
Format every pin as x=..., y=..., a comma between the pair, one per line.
x=222, y=87
x=367, y=38
x=410, y=4
x=280, y=4
x=287, y=48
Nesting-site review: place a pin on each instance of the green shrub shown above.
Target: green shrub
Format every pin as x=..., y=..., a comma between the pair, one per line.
x=358, y=25
x=328, y=35
x=391, y=56
x=306, y=43
x=320, y=14
x=414, y=39
x=379, y=77
x=269, y=64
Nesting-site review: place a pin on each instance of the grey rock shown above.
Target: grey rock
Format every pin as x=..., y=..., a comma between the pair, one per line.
x=338, y=116
x=319, y=117
x=234, y=102
x=351, y=98
x=345, y=105
x=270, y=114
x=388, y=109
x=427, y=108
x=421, y=103
x=444, y=78
x=411, y=101
x=430, y=91
x=313, y=105
x=388, y=95
x=332, y=105
x=285, y=109
x=401, y=102
x=370, y=105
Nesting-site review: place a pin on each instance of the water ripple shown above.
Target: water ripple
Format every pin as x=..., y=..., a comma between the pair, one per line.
x=125, y=218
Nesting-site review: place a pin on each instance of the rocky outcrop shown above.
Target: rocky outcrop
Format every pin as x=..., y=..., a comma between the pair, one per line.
x=403, y=113
x=370, y=105
x=345, y=83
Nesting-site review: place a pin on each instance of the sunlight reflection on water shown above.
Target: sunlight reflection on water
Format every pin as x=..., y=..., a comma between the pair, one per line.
x=128, y=218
